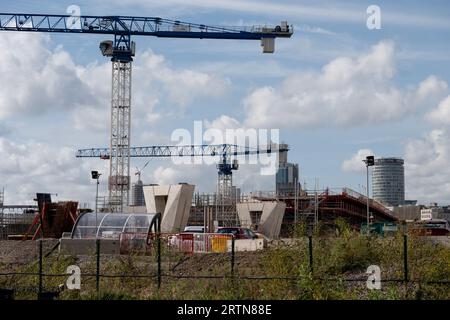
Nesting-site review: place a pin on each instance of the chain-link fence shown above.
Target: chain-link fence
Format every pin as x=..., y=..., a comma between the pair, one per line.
x=166, y=265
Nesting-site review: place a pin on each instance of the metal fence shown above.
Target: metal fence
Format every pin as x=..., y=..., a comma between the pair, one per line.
x=158, y=247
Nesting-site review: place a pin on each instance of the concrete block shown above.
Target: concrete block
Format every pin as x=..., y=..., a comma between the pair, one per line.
x=272, y=213
x=77, y=247
x=246, y=245
x=173, y=202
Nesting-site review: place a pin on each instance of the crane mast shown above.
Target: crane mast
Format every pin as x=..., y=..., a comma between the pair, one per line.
x=121, y=53
x=119, y=169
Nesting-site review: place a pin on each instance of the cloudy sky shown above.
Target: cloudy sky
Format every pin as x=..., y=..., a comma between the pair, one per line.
x=336, y=90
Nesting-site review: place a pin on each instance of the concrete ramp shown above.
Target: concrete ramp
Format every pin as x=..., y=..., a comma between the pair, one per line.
x=264, y=216
x=173, y=202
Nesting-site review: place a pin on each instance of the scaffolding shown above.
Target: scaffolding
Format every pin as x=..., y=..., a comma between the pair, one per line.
x=209, y=207
x=16, y=219
x=325, y=205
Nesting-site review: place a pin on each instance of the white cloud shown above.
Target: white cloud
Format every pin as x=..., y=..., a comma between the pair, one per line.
x=35, y=79
x=427, y=173
x=441, y=114
x=39, y=80
x=355, y=163
x=154, y=81
x=426, y=159
x=432, y=87
x=225, y=129
x=152, y=137
x=222, y=123
x=346, y=93
x=204, y=176
x=91, y=118
x=182, y=86
x=30, y=167
x=426, y=167
x=312, y=29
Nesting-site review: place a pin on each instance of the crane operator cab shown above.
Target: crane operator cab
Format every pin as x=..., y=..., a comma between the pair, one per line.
x=282, y=30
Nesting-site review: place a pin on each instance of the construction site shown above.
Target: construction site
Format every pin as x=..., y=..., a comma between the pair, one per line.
x=170, y=221
x=271, y=213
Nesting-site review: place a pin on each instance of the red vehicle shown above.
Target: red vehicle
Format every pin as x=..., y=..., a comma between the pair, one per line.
x=238, y=232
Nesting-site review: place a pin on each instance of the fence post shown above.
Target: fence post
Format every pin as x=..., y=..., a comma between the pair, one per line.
x=40, y=267
x=97, y=273
x=405, y=258
x=310, y=243
x=232, y=255
x=158, y=242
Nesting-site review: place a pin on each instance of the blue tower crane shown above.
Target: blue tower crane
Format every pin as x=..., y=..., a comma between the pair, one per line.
x=121, y=50
x=224, y=152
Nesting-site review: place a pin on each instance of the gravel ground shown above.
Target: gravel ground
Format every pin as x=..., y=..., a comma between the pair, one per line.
x=22, y=252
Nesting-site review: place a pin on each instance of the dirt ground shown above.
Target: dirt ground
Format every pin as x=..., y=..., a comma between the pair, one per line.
x=14, y=254
x=22, y=252
x=246, y=263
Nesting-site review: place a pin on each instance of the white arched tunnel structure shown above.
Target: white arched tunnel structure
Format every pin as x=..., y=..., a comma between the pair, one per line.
x=118, y=232
x=112, y=225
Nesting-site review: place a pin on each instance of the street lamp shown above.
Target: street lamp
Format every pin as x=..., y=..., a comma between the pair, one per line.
x=369, y=161
x=96, y=176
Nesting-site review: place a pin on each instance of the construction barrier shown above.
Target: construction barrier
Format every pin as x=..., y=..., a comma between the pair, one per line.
x=200, y=242
x=219, y=243
x=133, y=243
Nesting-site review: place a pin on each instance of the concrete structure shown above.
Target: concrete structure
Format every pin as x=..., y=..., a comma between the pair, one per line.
x=265, y=216
x=388, y=181
x=246, y=245
x=68, y=246
x=287, y=174
x=173, y=202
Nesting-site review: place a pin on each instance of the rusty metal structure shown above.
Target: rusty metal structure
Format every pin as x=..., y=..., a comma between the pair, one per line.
x=53, y=219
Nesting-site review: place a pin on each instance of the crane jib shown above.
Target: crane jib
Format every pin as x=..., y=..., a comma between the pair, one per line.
x=180, y=151
x=135, y=26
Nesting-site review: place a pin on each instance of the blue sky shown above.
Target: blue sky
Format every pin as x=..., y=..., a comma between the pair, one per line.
x=336, y=90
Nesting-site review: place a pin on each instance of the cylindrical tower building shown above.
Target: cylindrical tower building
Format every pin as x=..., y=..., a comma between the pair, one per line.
x=388, y=181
